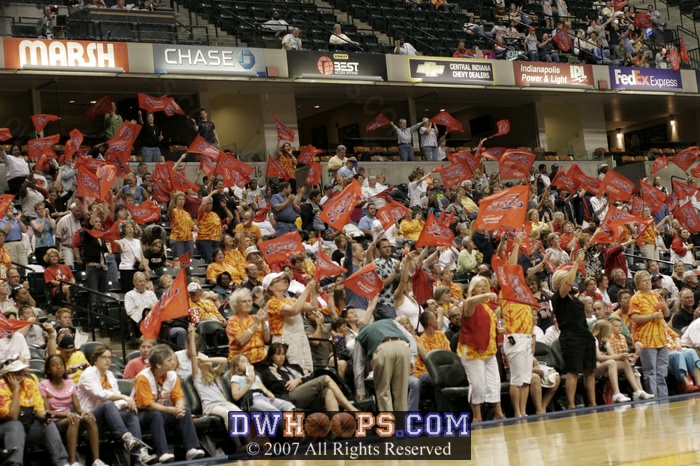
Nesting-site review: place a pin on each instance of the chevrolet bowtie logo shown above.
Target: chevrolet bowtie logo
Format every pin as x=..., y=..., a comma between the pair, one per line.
x=430, y=69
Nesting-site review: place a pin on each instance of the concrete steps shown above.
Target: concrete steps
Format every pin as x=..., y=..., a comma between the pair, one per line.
x=345, y=18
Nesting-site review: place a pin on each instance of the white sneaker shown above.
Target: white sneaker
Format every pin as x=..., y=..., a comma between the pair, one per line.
x=131, y=443
x=146, y=458
x=99, y=462
x=620, y=398
x=194, y=453
x=76, y=464
x=642, y=395
x=166, y=458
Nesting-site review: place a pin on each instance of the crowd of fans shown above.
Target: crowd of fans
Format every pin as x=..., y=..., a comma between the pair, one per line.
x=283, y=324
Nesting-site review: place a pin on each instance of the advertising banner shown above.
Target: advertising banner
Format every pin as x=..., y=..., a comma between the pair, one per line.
x=201, y=59
x=340, y=64
x=648, y=79
x=64, y=53
x=552, y=74
x=450, y=70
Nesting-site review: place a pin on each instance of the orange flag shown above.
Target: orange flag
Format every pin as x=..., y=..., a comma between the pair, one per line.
x=507, y=208
x=590, y=184
x=307, y=154
x=233, y=171
x=326, y=267
x=685, y=158
x=455, y=173
x=285, y=133
x=637, y=206
x=146, y=212
x=73, y=144
x=261, y=214
x=688, y=217
x=674, y=60
x=275, y=169
x=35, y=147
x=617, y=187
x=503, y=128
x=5, y=203
x=376, y=123
x=513, y=285
x=280, y=249
x=391, y=213
x=683, y=190
x=515, y=164
x=338, y=210
x=313, y=178
x=40, y=121
x=172, y=108
x=101, y=107
x=107, y=235
x=659, y=164
x=118, y=154
x=183, y=261
x=88, y=183
x=641, y=228
x=5, y=134
x=435, y=232
x=653, y=198
x=684, y=52
x=151, y=104
x=365, y=282
x=11, y=325
x=565, y=182
x=447, y=120
x=174, y=303
x=42, y=164
x=128, y=130
x=180, y=182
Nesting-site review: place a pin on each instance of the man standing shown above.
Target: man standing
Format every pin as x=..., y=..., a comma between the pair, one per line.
x=388, y=270
x=392, y=352
x=286, y=208
x=205, y=128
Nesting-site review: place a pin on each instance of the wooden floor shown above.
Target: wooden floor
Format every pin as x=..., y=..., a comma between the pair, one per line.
x=664, y=433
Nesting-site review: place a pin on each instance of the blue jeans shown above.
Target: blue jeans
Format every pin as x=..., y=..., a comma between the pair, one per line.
x=683, y=363
x=108, y=417
x=413, y=393
x=206, y=249
x=158, y=422
x=406, y=152
x=180, y=247
x=430, y=153
x=12, y=434
x=655, y=368
x=283, y=227
x=112, y=268
x=150, y=154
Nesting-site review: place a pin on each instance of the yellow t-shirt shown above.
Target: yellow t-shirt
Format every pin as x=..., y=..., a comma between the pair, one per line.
x=181, y=225
x=274, y=316
x=651, y=334
x=29, y=395
x=437, y=341
x=209, y=225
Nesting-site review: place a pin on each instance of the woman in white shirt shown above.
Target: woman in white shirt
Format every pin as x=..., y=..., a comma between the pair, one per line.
x=98, y=393
x=131, y=257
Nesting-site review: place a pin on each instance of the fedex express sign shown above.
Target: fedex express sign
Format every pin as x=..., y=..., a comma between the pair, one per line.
x=64, y=53
x=645, y=78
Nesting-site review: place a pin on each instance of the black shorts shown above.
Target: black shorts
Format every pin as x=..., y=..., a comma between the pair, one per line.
x=578, y=353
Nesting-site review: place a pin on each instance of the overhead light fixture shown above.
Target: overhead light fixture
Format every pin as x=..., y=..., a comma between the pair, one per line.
x=317, y=106
x=673, y=120
x=89, y=69
x=442, y=109
x=619, y=133
x=71, y=101
x=93, y=101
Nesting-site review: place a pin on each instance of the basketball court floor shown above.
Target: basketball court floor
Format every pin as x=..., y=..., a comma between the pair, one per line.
x=653, y=433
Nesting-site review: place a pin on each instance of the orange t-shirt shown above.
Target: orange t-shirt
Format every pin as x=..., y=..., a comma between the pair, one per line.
x=215, y=269
x=437, y=341
x=517, y=317
x=456, y=291
x=254, y=348
x=181, y=225
x=143, y=396
x=274, y=316
x=209, y=225
x=651, y=334
x=288, y=164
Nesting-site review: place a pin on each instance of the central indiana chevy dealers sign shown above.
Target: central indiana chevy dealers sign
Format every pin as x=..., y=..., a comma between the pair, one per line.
x=336, y=64
x=451, y=70
x=552, y=74
x=648, y=79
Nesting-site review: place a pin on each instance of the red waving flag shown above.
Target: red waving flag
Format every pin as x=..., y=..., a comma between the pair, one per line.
x=207, y=164
x=642, y=20
x=128, y=130
x=5, y=203
x=35, y=147
x=493, y=153
x=472, y=160
x=659, y=164
x=326, y=267
x=180, y=182
x=42, y=164
x=674, y=60
x=435, y=233
x=684, y=52
x=338, y=210
x=377, y=122
x=280, y=249
x=590, y=184
x=565, y=182
x=162, y=175
x=455, y=173
x=671, y=202
x=285, y=133
x=617, y=187
x=516, y=164
x=683, y=190
x=275, y=169
x=513, y=285
x=183, y=261
x=5, y=134
x=108, y=235
x=146, y=212
x=688, y=217
x=233, y=171
x=151, y=104
x=101, y=107
x=202, y=146
x=445, y=119
x=653, y=198
x=88, y=163
x=685, y=158
x=174, y=303
x=40, y=121
x=107, y=176
x=503, y=209
x=307, y=154
x=641, y=228
x=391, y=213
x=563, y=39
x=314, y=176
x=261, y=214
x=503, y=128
x=119, y=154
x=172, y=108
x=618, y=217
x=637, y=206
x=8, y=326
x=73, y=144
x=619, y=5
x=365, y=282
